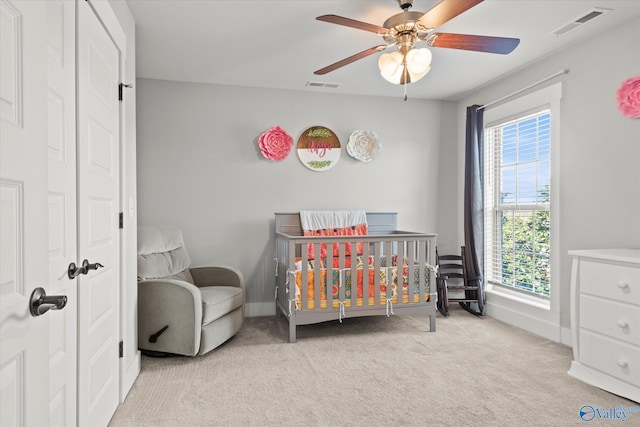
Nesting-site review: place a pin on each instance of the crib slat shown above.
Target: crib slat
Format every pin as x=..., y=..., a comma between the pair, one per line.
x=342, y=288
x=399, y=271
x=424, y=272
x=390, y=251
x=411, y=283
x=422, y=261
x=317, y=275
x=376, y=272
x=292, y=292
x=354, y=273
x=304, y=277
x=365, y=273
x=353, y=281
x=329, y=276
x=283, y=265
x=431, y=260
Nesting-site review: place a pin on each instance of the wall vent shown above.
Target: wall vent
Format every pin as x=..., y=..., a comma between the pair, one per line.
x=579, y=21
x=323, y=84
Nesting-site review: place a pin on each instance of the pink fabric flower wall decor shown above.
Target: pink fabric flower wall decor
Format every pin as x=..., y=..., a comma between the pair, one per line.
x=275, y=143
x=628, y=96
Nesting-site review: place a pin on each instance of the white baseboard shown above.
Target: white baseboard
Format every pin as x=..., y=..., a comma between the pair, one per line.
x=129, y=376
x=543, y=328
x=257, y=309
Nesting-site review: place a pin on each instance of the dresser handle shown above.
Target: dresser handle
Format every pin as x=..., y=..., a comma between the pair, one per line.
x=623, y=324
x=622, y=284
x=622, y=363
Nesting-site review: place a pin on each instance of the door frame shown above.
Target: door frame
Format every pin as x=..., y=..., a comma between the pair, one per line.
x=119, y=23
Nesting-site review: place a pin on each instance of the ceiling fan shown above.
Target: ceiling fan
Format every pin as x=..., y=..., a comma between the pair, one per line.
x=405, y=29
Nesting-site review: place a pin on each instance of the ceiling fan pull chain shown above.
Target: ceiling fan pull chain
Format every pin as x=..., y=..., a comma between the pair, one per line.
x=405, y=91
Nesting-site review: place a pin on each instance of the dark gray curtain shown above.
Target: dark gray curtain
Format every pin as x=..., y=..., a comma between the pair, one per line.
x=474, y=197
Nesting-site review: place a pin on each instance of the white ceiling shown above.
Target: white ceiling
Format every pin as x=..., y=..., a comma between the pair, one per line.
x=279, y=44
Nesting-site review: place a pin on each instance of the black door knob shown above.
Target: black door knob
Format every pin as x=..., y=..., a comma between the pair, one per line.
x=87, y=266
x=74, y=271
x=40, y=303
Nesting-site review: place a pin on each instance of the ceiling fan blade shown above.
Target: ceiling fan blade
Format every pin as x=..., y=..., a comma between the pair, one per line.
x=340, y=20
x=351, y=59
x=446, y=10
x=489, y=44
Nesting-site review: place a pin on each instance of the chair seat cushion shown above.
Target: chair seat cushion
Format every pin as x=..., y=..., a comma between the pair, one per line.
x=218, y=301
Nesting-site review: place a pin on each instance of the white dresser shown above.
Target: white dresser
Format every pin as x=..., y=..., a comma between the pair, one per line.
x=605, y=319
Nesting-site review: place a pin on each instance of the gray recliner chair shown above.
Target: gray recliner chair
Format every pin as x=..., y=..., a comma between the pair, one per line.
x=183, y=310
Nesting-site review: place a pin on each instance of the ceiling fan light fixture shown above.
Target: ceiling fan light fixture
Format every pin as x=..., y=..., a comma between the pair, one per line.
x=397, y=69
x=390, y=64
x=417, y=76
x=419, y=61
x=394, y=78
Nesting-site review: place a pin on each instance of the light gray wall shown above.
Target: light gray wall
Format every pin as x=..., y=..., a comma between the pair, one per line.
x=449, y=222
x=199, y=166
x=599, y=148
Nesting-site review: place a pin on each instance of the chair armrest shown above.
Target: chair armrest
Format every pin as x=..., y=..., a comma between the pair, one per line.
x=218, y=275
x=175, y=303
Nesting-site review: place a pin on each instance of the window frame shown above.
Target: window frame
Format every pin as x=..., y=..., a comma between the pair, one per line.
x=493, y=194
x=515, y=302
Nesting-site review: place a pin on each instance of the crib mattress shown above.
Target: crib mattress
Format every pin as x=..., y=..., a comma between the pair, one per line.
x=388, y=276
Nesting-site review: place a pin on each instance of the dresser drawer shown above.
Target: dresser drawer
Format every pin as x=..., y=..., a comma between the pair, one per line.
x=621, y=321
x=610, y=356
x=619, y=282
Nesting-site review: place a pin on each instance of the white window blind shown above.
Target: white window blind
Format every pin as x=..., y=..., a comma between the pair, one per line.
x=517, y=202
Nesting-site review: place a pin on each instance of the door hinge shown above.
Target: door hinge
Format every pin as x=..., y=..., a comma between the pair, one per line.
x=121, y=220
x=120, y=87
x=121, y=349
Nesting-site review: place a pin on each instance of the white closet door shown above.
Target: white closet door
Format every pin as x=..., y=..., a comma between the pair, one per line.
x=24, y=362
x=61, y=129
x=98, y=208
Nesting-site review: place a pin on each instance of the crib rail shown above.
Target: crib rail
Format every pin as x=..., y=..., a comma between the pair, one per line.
x=293, y=252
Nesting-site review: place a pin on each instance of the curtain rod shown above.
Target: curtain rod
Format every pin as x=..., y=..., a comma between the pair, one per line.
x=489, y=104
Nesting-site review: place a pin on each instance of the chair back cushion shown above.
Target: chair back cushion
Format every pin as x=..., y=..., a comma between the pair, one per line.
x=161, y=254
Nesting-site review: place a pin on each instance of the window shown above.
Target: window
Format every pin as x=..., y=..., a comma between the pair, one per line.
x=517, y=186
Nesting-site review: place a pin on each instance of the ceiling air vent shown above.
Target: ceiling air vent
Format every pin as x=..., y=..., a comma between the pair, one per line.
x=322, y=84
x=579, y=21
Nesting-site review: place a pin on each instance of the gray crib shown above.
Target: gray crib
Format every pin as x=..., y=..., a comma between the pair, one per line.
x=398, y=273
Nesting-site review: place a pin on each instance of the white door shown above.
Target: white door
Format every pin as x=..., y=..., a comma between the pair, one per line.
x=62, y=208
x=98, y=232
x=24, y=365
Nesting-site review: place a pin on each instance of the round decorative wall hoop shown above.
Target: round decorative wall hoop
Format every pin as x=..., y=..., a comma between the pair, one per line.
x=319, y=148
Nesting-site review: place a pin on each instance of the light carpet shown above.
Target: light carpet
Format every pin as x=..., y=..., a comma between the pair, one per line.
x=373, y=371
